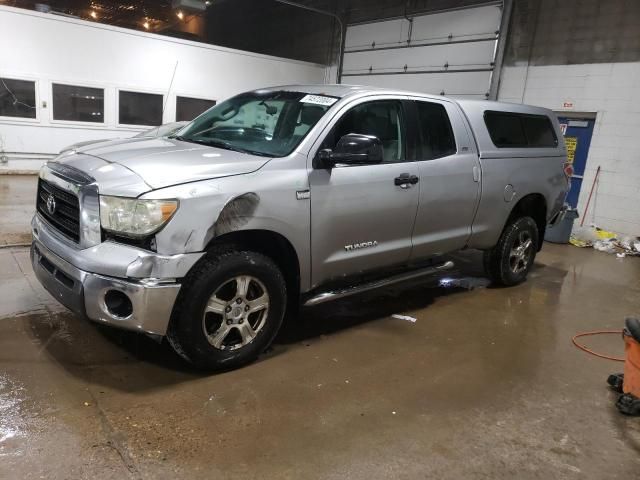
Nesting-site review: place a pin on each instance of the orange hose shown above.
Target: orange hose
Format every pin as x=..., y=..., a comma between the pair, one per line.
x=596, y=332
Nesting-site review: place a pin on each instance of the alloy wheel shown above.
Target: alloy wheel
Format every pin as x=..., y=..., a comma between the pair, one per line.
x=236, y=312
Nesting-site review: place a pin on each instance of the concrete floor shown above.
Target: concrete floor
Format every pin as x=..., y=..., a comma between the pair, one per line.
x=17, y=204
x=485, y=384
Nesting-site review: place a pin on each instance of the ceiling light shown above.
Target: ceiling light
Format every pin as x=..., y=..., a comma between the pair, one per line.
x=93, y=14
x=146, y=25
x=180, y=14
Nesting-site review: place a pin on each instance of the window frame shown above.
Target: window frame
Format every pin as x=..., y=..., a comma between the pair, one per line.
x=137, y=90
x=36, y=86
x=405, y=115
x=99, y=125
x=181, y=95
x=418, y=129
x=520, y=116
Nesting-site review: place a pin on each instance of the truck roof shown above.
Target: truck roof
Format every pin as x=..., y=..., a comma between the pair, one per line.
x=346, y=90
x=473, y=110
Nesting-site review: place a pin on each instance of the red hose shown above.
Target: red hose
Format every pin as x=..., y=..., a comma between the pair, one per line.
x=596, y=332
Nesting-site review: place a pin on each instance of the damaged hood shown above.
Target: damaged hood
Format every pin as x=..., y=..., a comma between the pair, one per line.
x=156, y=163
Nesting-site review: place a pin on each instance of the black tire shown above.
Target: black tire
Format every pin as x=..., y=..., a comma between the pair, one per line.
x=499, y=261
x=217, y=272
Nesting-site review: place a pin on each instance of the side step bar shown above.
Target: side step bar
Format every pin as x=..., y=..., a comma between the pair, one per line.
x=336, y=294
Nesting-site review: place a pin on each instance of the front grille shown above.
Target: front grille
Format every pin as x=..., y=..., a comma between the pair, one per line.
x=66, y=214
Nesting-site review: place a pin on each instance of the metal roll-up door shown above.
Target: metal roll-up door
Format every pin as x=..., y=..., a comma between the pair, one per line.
x=447, y=53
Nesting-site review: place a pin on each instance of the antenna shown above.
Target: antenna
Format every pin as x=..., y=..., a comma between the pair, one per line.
x=166, y=99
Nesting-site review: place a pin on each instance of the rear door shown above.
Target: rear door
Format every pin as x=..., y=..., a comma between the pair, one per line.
x=577, y=138
x=449, y=179
x=361, y=220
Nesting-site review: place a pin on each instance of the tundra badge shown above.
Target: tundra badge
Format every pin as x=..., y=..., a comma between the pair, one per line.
x=356, y=246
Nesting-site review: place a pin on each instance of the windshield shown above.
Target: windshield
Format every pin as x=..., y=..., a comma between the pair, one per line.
x=268, y=123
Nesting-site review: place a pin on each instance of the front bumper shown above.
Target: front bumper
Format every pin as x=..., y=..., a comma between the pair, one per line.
x=80, y=279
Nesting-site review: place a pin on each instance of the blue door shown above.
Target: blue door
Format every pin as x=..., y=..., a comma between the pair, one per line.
x=577, y=136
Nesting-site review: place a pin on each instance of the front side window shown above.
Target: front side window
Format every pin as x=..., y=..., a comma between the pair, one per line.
x=436, y=134
x=380, y=118
x=79, y=104
x=17, y=98
x=268, y=123
x=137, y=108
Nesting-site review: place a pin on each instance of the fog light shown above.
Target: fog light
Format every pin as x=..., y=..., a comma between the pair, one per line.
x=118, y=304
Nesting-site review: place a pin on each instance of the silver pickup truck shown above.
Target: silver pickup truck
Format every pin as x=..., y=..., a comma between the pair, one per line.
x=287, y=196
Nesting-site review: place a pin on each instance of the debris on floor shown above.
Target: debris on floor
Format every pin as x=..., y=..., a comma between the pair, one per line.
x=468, y=283
x=605, y=241
x=404, y=317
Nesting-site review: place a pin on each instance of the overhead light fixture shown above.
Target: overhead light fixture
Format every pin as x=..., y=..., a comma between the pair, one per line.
x=146, y=25
x=93, y=14
x=180, y=15
x=194, y=7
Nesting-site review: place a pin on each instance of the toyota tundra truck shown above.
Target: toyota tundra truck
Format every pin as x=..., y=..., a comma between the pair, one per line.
x=290, y=196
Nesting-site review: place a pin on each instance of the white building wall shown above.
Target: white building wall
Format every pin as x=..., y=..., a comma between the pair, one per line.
x=612, y=91
x=49, y=48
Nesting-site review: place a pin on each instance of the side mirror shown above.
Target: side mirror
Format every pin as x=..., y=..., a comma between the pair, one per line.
x=353, y=149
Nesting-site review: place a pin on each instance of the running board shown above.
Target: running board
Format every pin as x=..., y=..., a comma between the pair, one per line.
x=365, y=287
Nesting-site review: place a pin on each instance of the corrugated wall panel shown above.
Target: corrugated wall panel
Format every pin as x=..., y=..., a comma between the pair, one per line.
x=457, y=84
x=450, y=52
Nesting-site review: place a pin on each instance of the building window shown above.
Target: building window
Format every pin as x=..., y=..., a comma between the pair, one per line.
x=78, y=104
x=520, y=130
x=139, y=108
x=189, y=108
x=17, y=98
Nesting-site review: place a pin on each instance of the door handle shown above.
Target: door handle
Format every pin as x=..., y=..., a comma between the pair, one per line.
x=405, y=180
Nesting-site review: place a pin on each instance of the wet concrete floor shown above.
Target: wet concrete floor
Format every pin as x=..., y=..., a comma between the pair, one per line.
x=17, y=200
x=485, y=384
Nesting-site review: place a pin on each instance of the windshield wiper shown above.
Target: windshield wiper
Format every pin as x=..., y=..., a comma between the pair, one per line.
x=208, y=143
x=183, y=139
x=221, y=144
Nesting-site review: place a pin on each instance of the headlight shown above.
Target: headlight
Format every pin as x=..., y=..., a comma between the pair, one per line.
x=134, y=217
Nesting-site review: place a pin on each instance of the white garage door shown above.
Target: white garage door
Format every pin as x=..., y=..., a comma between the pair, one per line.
x=448, y=53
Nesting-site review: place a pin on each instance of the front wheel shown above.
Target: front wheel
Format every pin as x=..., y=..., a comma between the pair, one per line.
x=229, y=309
x=509, y=262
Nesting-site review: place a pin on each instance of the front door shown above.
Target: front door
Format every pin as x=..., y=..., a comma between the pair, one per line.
x=577, y=137
x=449, y=180
x=361, y=220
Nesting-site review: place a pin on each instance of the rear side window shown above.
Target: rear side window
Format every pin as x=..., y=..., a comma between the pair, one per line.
x=520, y=130
x=436, y=134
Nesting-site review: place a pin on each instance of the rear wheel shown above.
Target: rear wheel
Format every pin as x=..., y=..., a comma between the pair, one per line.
x=509, y=262
x=229, y=309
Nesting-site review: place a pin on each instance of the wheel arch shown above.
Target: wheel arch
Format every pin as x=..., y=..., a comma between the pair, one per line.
x=272, y=244
x=533, y=205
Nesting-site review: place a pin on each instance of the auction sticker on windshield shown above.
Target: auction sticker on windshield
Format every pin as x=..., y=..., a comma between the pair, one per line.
x=319, y=100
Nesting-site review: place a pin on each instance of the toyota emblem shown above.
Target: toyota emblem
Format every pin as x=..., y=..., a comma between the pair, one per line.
x=51, y=204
